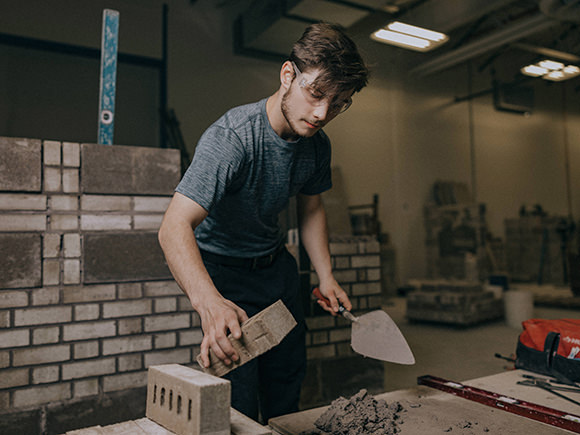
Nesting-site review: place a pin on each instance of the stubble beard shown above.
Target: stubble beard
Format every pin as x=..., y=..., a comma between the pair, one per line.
x=286, y=112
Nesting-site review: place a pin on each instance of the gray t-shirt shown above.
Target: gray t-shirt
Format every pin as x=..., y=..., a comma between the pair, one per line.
x=244, y=174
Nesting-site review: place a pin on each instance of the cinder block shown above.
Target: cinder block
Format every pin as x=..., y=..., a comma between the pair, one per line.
x=21, y=166
x=129, y=170
x=187, y=401
x=260, y=333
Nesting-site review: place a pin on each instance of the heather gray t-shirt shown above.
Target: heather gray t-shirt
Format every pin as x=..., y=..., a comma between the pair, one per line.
x=244, y=174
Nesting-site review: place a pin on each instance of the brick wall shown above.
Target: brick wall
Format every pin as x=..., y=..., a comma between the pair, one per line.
x=87, y=302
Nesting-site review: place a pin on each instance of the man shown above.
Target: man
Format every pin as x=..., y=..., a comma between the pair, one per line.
x=220, y=234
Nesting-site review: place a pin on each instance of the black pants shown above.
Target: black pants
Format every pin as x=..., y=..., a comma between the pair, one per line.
x=270, y=384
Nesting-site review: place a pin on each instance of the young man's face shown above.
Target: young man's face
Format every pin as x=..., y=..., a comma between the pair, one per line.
x=307, y=109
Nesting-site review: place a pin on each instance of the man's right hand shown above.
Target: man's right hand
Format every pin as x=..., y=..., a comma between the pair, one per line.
x=218, y=317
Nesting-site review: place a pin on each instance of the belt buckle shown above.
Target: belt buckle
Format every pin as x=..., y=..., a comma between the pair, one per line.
x=265, y=261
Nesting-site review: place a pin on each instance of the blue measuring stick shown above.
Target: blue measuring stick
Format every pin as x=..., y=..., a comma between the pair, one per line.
x=109, y=40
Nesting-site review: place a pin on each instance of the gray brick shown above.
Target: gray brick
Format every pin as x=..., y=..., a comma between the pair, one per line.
x=126, y=309
x=105, y=203
x=64, y=222
x=124, y=381
x=87, y=349
x=349, y=275
x=71, y=154
x=42, y=316
x=167, y=322
x=163, y=341
x=365, y=261
x=4, y=319
x=45, y=375
x=71, y=271
x=40, y=355
x=52, y=179
x=343, y=248
x=93, y=293
x=45, y=296
x=190, y=337
x=51, y=152
x=340, y=335
x=21, y=223
x=151, y=204
x=320, y=322
x=39, y=395
x=127, y=344
x=20, y=201
x=9, y=299
x=178, y=356
x=130, y=363
x=87, y=312
x=321, y=352
x=88, y=330
x=51, y=245
x=14, y=378
x=319, y=337
x=72, y=245
x=4, y=359
x=14, y=338
x=94, y=222
x=162, y=288
x=21, y=165
x=184, y=304
x=64, y=202
x=130, y=326
x=70, y=180
x=147, y=222
x=51, y=272
x=88, y=368
x=366, y=288
x=45, y=335
x=165, y=305
x=84, y=388
x=130, y=290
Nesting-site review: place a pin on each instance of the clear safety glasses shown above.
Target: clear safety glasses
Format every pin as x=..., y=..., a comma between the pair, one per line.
x=317, y=98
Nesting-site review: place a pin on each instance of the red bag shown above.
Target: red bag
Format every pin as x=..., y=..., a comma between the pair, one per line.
x=550, y=347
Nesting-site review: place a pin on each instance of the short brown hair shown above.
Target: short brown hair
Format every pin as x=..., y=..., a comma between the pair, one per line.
x=327, y=47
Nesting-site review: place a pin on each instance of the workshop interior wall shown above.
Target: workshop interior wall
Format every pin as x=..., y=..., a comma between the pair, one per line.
x=402, y=134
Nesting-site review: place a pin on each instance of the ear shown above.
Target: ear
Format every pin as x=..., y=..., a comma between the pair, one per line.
x=286, y=74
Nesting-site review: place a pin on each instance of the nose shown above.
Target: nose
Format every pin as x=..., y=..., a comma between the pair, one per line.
x=321, y=110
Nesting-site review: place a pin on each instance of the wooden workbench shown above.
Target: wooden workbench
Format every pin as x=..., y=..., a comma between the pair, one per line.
x=430, y=411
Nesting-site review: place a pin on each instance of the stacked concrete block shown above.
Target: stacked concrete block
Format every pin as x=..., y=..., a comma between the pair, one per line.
x=187, y=401
x=452, y=302
x=356, y=261
x=451, y=231
x=533, y=249
x=260, y=333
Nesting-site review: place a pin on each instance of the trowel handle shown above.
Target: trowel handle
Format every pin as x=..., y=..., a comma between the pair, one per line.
x=318, y=295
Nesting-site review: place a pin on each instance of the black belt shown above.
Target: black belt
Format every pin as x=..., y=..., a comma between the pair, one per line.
x=250, y=263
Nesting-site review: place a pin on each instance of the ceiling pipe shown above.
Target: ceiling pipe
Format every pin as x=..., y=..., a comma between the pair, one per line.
x=514, y=32
x=548, y=52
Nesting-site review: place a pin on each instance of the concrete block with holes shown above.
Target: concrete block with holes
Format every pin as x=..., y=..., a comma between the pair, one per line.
x=187, y=401
x=260, y=333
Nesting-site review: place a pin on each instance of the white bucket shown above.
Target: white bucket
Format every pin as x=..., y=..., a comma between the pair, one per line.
x=518, y=306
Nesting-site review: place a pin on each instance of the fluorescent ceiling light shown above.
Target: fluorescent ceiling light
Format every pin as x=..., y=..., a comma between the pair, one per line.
x=411, y=37
x=551, y=70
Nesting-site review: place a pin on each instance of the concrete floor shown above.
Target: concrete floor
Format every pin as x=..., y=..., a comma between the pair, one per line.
x=456, y=353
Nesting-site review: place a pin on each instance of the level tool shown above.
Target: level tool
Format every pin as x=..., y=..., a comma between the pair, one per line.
x=109, y=40
x=533, y=411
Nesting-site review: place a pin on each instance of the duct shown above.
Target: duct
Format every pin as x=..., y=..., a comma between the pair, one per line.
x=563, y=10
x=518, y=30
x=447, y=15
x=548, y=52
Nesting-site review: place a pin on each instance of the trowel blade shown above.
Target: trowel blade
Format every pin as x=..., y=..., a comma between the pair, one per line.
x=376, y=335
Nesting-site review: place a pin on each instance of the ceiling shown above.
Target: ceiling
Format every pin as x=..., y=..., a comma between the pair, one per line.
x=494, y=33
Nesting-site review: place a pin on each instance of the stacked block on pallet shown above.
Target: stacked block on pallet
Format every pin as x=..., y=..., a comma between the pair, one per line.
x=452, y=302
x=451, y=232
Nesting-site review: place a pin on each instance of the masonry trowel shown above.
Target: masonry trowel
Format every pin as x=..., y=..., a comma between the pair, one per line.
x=375, y=335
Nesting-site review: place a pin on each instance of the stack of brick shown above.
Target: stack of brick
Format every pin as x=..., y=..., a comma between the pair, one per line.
x=451, y=231
x=528, y=239
x=356, y=263
x=452, y=302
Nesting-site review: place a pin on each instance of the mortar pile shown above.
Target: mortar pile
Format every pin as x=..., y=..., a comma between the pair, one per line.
x=362, y=414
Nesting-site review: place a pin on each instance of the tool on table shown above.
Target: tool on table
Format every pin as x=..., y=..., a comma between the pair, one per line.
x=545, y=385
x=530, y=410
x=375, y=335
